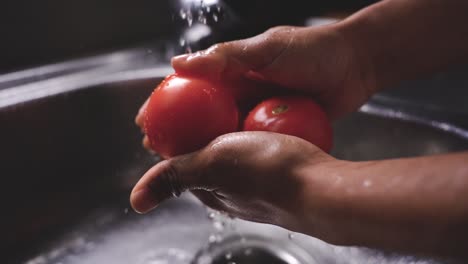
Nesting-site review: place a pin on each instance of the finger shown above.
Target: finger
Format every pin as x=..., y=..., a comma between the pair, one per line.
x=237, y=58
x=167, y=179
x=139, y=119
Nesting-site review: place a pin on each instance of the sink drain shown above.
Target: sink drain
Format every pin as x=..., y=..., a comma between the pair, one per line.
x=253, y=250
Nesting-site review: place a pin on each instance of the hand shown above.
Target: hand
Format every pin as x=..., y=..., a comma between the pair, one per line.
x=286, y=181
x=265, y=177
x=257, y=176
x=320, y=62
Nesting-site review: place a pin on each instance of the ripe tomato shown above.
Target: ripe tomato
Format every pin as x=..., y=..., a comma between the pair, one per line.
x=185, y=113
x=293, y=115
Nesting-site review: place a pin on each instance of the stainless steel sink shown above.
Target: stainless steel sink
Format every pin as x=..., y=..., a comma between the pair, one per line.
x=70, y=154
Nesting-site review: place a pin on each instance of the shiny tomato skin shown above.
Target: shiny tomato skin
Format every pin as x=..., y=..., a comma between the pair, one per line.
x=184, y=114
x=292, y=115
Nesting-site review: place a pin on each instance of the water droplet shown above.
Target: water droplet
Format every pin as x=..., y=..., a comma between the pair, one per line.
x=183, y=14
x=182, y=42
x=290, y=236
x=248, y=251
x=213, y=239
x=211, y=215
x=126, y=211
x=219, y=225
x=189, y=18
x=215, y=17
x=367, y=183
x=228, y=255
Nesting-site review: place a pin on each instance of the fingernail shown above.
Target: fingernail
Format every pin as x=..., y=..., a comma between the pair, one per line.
x=180, y=57
x=144, y=200
x=255, y=76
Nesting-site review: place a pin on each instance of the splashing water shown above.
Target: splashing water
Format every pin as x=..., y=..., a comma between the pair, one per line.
x=223, y=226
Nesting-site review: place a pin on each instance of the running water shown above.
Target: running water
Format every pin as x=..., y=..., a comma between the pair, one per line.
x=198, y=16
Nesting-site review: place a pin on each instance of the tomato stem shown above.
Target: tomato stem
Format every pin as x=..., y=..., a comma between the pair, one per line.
x=279, y=109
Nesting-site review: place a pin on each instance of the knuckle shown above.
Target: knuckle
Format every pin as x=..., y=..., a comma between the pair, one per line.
x=221, y=143
x=215, y=47
x=168, y=182
x=218, y=48
x=278, y=30
x=221, y=152
x=276, y=41
x=280, y=33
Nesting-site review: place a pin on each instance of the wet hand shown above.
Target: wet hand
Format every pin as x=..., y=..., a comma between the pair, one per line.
x=257, y=176
x=320, y=62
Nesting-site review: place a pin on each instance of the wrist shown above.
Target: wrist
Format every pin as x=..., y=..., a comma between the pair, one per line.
x=363, y=53
x=385, y=33
x=356, y=32
x=324, y=200
x=342, y=204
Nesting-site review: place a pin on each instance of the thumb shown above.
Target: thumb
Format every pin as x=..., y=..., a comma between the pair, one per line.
x=236, y=58
x=168, y=178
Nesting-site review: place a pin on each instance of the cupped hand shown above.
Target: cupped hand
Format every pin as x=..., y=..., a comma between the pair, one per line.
x=257, y=176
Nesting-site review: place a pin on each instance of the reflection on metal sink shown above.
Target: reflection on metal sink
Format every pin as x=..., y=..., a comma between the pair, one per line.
x=70, y=154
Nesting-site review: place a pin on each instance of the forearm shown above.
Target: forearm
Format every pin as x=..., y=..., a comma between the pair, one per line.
x=418, y=205
x=408, y=39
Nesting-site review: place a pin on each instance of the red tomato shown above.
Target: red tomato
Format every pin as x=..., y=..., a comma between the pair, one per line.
x=293, y=115
x=184, y=114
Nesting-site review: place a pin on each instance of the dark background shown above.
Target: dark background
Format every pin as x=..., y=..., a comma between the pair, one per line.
x=39, y=32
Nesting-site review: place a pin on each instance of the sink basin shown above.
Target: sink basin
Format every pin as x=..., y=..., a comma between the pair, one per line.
x=71, y=153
